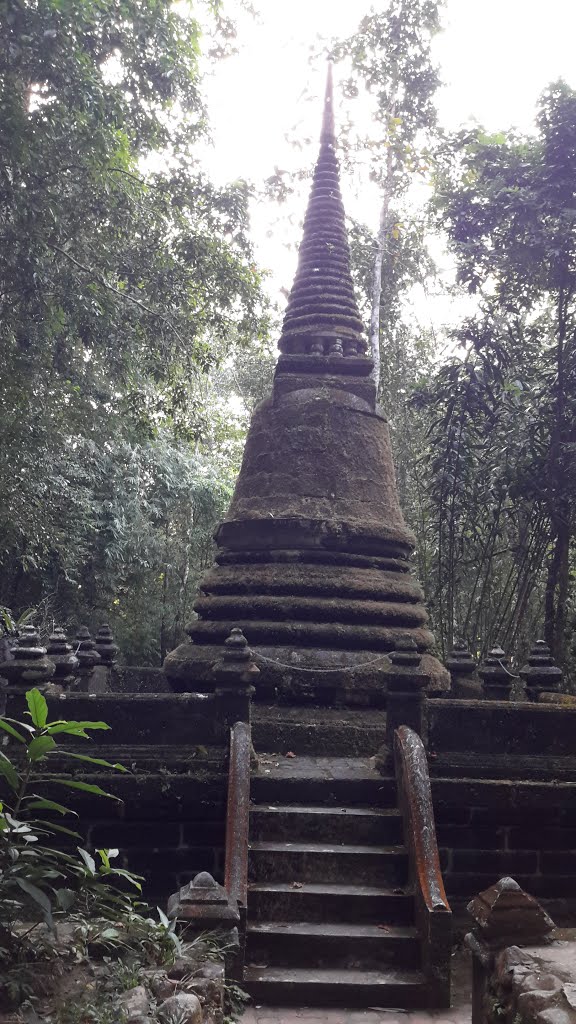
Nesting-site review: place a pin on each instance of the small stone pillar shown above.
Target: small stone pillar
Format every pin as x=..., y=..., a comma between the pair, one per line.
x=540, y=673
x=462, y=667
x=203, y=905
x=65, y=661
x=88, y=658
x=496, y=676
x=234, y=675
x=105, y=645
x=504, y=915
x=404, y=699
x=30, y=666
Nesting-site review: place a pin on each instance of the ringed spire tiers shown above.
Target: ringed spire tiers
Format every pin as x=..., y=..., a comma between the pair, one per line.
x=322, y=317
x=313, y=555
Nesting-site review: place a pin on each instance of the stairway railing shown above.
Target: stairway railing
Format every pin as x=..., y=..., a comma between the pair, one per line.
x=433, y=914
x=237, y=823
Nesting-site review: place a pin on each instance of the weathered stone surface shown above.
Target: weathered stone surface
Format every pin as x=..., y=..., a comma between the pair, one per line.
x=183, y=1008
x=161, y=986
x=567, y=699
x=524, y=986
x=505, y=912
x=134, y=1004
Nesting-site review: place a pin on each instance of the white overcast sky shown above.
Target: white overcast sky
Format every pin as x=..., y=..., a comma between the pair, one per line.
x=495, y=58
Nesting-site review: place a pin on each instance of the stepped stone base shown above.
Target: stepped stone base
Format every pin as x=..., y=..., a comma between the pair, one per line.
x=313, y=556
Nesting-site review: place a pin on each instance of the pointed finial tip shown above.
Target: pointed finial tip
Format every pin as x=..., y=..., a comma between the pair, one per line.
x=327, y=134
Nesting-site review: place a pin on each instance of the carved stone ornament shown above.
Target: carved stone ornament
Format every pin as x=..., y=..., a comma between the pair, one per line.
x=505, y=914
x=30, y=665
x=203, y=900
x=540, y=673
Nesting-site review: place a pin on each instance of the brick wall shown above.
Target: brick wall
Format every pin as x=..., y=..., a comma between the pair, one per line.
x=490, y=828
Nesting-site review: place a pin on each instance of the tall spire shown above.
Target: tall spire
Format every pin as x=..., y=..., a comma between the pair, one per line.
x=328, y=132
x=322, y=317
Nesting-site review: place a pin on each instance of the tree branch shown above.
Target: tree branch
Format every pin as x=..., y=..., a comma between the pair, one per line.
x=116, y=291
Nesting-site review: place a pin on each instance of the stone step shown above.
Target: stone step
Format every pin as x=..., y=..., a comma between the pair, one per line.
x=349, y=946
x=277, y=986
x=320, y=901
x=294, y=822
x=344, y=781
x=343, y=732
x=315, y=862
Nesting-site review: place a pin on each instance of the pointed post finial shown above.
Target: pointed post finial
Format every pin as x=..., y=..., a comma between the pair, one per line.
x=328, y=131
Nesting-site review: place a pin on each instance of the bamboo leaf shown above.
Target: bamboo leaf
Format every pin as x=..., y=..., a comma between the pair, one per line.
x=52, y=826
x=38, y=896
x=43, y=804
x=74, y=728
x=11, y=730
x=92, y=760
x=133, y=879
x=9, y=772
x=85, y=787
x=88, y=860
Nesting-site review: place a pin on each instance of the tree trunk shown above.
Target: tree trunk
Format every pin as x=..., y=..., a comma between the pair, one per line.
x=557, y=590
x=377, y=290
x=382, y=236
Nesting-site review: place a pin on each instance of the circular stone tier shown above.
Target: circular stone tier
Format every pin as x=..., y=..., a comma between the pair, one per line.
x=313, y=556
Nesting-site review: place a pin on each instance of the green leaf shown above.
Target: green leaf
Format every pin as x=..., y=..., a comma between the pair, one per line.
x=39, y=747
x=43, y=804
x=65, y=899
x=74, y=728
x=164, y=920
x=133, y=879
x=37, y=707
x=103, y=854
x=38, y=896
x=88, y=860
x=91, y=760
x=86, y=787
x=12, y=732
x=53, y=827
x=9, y=772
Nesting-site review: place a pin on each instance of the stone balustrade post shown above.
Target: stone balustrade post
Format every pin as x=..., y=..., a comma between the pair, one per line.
x=234, y=674
x=405, y=704
x=504, y=915
x=496, y=676
x=65, y=662
x=105, y=646
x=405, y=695
x=462, y=668
x=205, y=906
x=88, y=658
x=540, y=673
x=29, y=666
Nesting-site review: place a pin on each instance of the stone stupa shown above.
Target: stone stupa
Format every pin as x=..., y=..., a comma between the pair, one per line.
x=313, y=557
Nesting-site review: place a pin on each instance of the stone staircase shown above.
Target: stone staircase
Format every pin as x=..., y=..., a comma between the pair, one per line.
x=330, y=911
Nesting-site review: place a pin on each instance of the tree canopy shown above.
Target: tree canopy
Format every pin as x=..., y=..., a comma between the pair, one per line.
x=504, y=414
x=125, y=274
